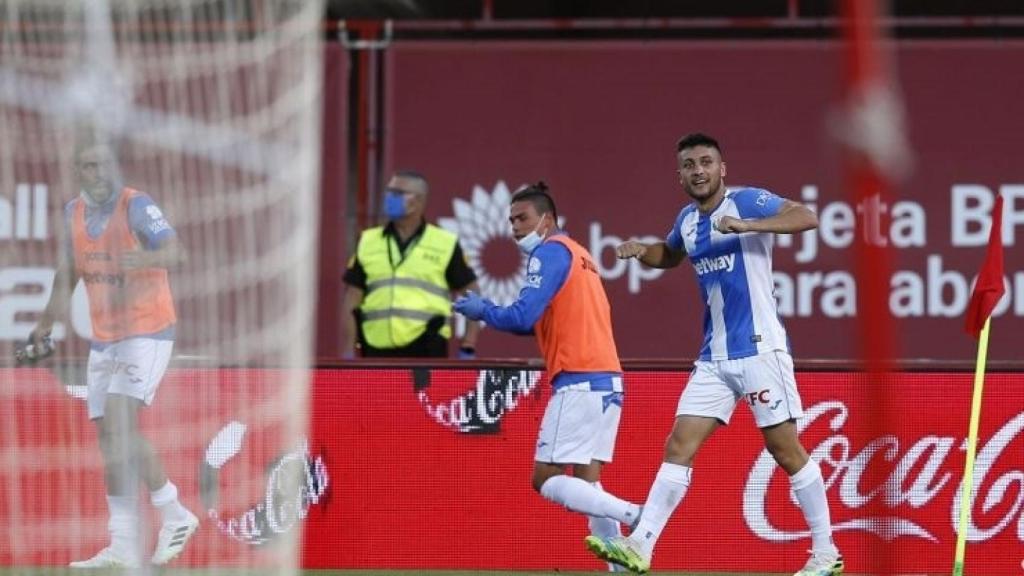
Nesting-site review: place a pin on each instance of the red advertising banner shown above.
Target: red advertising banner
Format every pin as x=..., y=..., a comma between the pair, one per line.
x=599, y=120
x=439, y=462
x=51, y=485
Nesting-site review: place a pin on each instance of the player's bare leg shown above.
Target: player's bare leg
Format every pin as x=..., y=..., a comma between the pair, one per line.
x=673, y=479
x=128, y=457
x=121, y=480
x=783, y=443
x=177, y=523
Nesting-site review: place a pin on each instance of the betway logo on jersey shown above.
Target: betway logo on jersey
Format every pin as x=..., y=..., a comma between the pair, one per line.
x=103, y=278
x=726, y=263
x=486, y=238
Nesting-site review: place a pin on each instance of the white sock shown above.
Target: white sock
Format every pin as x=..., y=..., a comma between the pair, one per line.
x=166, y=500
x=605, y=528
x=580, y=496
x=124, y=524
x=809, y=488
x=666, y=493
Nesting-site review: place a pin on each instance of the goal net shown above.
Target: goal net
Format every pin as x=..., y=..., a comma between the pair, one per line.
x=201, y=117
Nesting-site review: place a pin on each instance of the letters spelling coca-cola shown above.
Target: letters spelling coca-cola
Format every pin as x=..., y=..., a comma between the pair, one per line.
x=938, y=473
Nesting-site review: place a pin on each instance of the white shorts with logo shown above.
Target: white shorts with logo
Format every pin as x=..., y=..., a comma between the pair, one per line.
x=765, y=382
x=579, y=426
x=132, y=367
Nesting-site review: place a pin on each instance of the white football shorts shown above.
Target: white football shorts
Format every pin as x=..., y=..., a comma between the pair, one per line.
x=579, y=426
x=132, y=367
x=765, y=382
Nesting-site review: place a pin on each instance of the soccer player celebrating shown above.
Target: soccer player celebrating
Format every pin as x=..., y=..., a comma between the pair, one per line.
x=564, y=304
x=728, y=237
x=120, y=246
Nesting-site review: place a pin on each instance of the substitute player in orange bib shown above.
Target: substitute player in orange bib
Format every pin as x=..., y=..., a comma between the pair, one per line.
x=564, y=304
x=120, y=246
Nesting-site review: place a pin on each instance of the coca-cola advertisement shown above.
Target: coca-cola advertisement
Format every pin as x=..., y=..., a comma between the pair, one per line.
x=440, y=461
x=891, y=451
x=225, y=437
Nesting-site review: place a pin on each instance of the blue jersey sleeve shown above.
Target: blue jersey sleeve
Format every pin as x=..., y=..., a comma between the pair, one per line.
x=674, y=239
x=756, y=203
x=546, y=271
x=148, y=222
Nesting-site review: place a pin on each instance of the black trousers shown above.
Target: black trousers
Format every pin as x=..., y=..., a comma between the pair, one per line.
x=430, y=344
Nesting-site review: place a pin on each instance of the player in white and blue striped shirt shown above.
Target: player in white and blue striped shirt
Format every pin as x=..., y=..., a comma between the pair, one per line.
x=728, y=237
x=735, y=274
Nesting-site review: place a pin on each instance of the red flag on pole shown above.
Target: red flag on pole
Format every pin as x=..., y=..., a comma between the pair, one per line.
x=989, y=288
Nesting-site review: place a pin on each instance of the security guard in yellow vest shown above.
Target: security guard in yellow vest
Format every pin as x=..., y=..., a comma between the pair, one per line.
x=401, y=280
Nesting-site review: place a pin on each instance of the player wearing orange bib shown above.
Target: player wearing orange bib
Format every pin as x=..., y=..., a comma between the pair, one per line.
x=564, y=304
x=120, y=246
x=123, y=301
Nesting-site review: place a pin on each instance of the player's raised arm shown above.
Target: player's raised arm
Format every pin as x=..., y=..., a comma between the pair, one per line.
x=655, y=255
x=791, y=218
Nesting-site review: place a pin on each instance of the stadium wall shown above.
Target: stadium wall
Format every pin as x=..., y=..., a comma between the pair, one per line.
x=598, y=120
x=429, y=468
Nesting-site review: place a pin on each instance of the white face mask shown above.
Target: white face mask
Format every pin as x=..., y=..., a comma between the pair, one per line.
x=529, y=242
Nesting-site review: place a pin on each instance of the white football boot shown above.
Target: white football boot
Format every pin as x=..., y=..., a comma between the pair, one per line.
x=172, y=539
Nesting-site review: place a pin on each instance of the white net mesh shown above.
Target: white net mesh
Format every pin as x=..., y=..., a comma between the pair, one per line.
x=211, y=109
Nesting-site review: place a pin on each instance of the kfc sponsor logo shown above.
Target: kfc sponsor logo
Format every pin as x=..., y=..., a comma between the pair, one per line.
x=759, y=397
x=920, y=475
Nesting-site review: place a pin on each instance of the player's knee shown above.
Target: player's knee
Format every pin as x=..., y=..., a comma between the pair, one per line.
x=121, y=412
x=116, y=453
x=790, y=456
x=540, y=476
x=537, y=484
x=776, y=447
x=106, y=446
x=680, y=449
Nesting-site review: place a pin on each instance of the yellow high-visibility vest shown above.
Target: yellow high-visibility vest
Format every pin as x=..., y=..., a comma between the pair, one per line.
x=404, y=293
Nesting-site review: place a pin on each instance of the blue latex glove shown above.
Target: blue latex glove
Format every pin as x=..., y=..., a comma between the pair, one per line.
x=472, y=306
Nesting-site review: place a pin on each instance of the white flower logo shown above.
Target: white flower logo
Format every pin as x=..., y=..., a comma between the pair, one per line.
x=478, y=223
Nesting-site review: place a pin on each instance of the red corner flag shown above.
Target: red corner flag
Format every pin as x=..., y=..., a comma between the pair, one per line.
x=989, y=288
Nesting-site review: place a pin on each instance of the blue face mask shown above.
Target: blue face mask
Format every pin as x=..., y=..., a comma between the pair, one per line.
x=394, y=204
x=527, y=244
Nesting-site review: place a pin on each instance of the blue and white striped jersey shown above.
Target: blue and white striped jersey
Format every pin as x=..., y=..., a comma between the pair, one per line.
x=735, y=275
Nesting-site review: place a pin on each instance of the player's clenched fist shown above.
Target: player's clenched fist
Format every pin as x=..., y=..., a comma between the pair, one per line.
x=728, y=224
x=631, y=249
